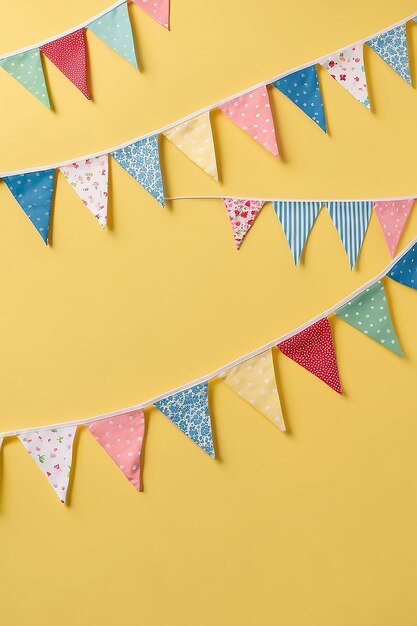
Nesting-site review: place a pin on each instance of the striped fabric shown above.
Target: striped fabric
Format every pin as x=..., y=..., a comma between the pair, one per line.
x=351, y=220
x=297, y=219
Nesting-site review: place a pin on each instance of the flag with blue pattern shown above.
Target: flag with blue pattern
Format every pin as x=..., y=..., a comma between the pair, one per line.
x=392, y=47
x=351, y=220
x=405, y=270
x=297, y=219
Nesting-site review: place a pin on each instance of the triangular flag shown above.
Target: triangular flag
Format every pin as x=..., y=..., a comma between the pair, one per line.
x=26, y=67
x=89, y=179
x=252, y=113
x=158, y=9
x=302, y=88
x=121, y=436
x=392, y=216
x=195, y=139
x=242, y=213
x=297, y=220
x=190, y=412
x=68, y=53
x=34, y=192
x=392, y=47
x=369, y=313
x=141, y=160
x=405, y=270
x=254, y=381
x=51, y=449
x=348, y=69
x=313, y=349
x=351, y=220
x=115, y=29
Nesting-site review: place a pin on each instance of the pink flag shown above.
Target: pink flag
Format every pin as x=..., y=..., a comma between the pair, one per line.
x=242, y=213
x=392, y=216
x=121, y=437
x=69, y=55
x=252, y=113
x=158, y=9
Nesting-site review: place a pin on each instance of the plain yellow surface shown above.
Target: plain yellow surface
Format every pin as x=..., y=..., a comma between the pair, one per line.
x=316, y=527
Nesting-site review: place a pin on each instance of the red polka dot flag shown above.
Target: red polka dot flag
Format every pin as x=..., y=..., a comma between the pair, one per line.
x=69, y=55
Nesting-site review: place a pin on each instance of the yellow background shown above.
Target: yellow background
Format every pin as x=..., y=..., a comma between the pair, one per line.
x=316, y=527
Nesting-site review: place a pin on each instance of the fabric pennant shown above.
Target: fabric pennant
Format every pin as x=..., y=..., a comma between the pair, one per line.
x=313, y=349
x=26, y=67
x=254, y=381
x=189, y=411
x=195, y=139
x=141, y=160
x=115, y=29
x=158, y=9
x=121, y=436
x=405, y=270
x=369, y=313
x=392, y=216
x=68, y=53
x=347, y=68
x=89, y=179
x=297, y=220
x=51, y=449
x=351, y=220
x=34, y=192
x=242, y=213
x=252, y=113
x=392, y=47
x=302, y=88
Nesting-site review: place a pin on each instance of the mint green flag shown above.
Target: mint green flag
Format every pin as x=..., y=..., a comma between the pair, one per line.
x=369, y=313
x=26, y=67
x=115, y=30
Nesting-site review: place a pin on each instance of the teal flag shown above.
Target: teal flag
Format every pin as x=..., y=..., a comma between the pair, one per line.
x=26, y=67
x=115, y=29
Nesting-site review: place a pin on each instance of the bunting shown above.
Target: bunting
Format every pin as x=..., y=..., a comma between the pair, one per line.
x=115, y=29
x=392, y=216
x=405, y=270
x=69, y=55
x=242, y=213
x=89, y=179
x=351, y=220
x=392, y=47
x=158, y=9
x=302, y=88
x=27, y=69
x=347, y=68
x=297, y=219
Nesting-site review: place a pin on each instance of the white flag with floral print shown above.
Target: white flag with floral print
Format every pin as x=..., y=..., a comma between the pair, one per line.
x=348, y=69
x=51, y=449
x=89, y=179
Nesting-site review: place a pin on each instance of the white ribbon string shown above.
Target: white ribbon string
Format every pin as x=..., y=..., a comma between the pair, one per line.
x=390, y=199
x=224, y=368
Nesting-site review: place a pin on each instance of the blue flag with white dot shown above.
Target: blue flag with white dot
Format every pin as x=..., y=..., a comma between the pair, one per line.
x=115, y=30
x=405, y=270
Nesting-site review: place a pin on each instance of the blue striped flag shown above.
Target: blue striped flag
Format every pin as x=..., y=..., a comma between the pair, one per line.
x=297, y=219
x=351, y=220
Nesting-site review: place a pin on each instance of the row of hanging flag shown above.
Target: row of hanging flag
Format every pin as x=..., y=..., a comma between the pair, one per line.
x=68, y=52
x=122, y=434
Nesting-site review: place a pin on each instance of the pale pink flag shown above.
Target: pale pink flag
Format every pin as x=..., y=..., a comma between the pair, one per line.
x=158, y=9
x=252, y=113
x=392, y=216
x=242, y=213
x=121, y=436
x=89, y=179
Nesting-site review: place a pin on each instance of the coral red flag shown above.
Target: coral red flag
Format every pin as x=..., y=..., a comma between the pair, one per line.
x=68, y=53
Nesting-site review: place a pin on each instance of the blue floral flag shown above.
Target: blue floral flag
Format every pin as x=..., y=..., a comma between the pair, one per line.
x=393, y=49
x=190, y=412
x=297, y=219
x=141, y=160
x=34, y=192
x=351, y=220
x=405, y=270
x=302, y=88
x=115, y=29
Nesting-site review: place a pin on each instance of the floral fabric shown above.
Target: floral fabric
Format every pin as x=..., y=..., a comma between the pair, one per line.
x=242, y=213
x=392, y=216
x=348, y=69
x=115, y=29
x=393, y=48
x=89, y=179
x=68, y=53
x=26, y=67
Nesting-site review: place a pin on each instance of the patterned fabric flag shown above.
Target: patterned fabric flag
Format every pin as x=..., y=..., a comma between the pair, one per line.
x=115, y=29
x=369, y=313
x=195, y=139
x=141, y=160
x=158, y=9
x=313, y=349
x=121, y=436
x=297, y=220
x=254, y=381
x=69, y=55
x=348, y=69
x=392, y=47
x=302, y=88
x=252, y=113
x=242, y=213
x=189, y=411
x=393, y=216
x=34, y=192
x=26, y=67
x=351, y=220
x=51, y=449
x=89, y=179
x=405, y=270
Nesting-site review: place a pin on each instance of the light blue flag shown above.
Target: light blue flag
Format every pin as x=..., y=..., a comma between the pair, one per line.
x=141, y=160
x=302, y=88
x=297, y=219
x=34, y=192
x=392, y=47
x=115, y=29
x=190, y=412
x=351, y=220
x=26, y=67
x=405, y=270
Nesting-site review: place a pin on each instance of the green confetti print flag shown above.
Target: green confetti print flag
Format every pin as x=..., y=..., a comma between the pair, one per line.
x=114, y=28
x=369, y=313
x=26, y=68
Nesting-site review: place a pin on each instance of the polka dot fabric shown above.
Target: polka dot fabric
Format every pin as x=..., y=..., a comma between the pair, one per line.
x=115, y=30
x=69, y=55
x=26, y=68
x=393, y=216
x=158, y=9
x=313, y=349
x=405, y=271
x=303, y=89
x=242, y=213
